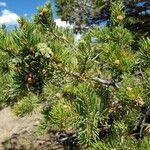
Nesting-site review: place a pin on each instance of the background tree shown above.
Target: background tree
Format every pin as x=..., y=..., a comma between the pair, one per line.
x=85, y=13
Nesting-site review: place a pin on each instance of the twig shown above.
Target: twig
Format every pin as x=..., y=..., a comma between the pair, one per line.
x=142, y=74
x=106, y=82
x=96, y=79
x=63, y=39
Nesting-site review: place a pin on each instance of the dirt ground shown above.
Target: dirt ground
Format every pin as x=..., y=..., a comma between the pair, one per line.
x=20, y=134
x=11, y=124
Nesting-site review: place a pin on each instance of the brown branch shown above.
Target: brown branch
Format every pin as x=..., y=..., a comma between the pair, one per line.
x=105, y=82
x=102, y=81
x=96, y=79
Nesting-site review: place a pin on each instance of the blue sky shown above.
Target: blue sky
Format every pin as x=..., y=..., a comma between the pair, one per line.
x=22, y=7
x=10, y=10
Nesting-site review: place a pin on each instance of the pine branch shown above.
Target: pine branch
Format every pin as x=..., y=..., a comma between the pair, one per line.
x=64, y=40
x=59, y=37
x=11, y=53
x=96, y=79
x=105, y=82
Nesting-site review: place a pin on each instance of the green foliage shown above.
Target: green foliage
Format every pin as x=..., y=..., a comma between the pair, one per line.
x=5, y=77
x=61, y=115
x=4, y=63
x=97, y=86
x=26, y=105
x=144, y=45
x=85, y=13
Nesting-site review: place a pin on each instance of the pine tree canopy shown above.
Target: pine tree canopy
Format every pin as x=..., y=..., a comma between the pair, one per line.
x=97, y=87
x=84, y=13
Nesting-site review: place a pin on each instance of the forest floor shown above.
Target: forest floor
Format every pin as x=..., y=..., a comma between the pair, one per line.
x=21, y=133
x=11, y=124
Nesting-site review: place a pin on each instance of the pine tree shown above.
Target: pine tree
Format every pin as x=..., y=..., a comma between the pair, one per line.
x=96, y=87
x=85, y=13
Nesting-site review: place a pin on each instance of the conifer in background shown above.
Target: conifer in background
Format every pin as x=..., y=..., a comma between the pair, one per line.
x=85, y=13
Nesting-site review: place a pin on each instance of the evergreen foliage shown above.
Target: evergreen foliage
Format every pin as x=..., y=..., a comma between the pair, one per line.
x=98, y=87
x=85, y=13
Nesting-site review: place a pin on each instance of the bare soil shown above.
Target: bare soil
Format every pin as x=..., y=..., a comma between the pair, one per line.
x=11, y=124
x=20, y=134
